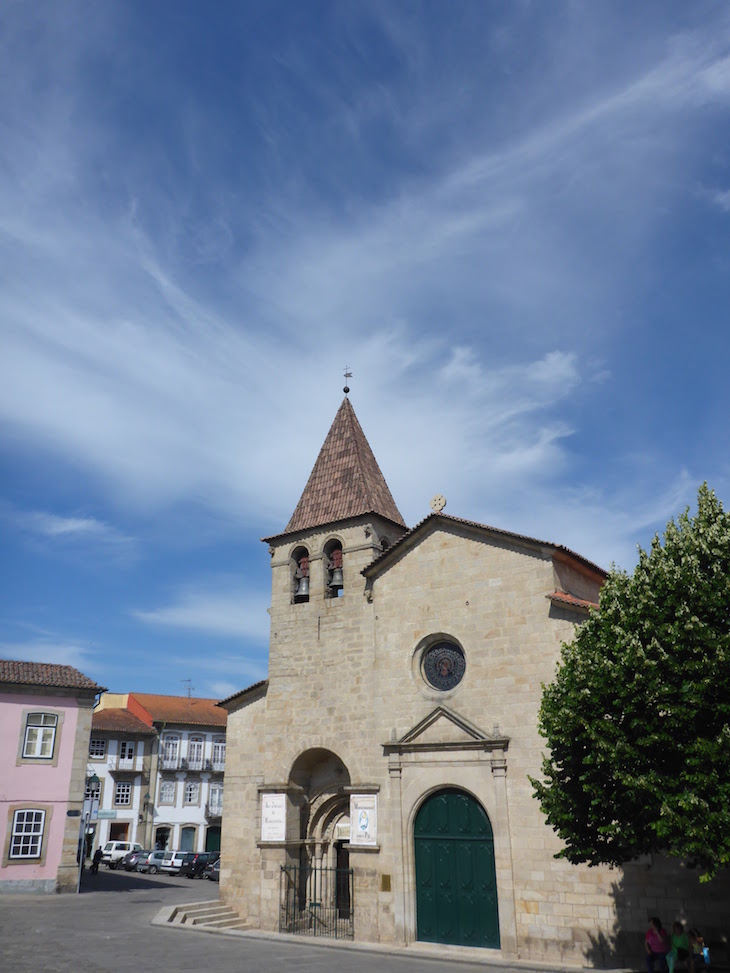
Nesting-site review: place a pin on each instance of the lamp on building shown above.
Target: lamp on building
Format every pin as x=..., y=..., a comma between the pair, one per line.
x=145, y=806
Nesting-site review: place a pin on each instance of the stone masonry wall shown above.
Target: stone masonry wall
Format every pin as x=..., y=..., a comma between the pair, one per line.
x=345, y=676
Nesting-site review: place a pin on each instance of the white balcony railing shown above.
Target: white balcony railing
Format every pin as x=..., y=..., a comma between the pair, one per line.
x=125, y=763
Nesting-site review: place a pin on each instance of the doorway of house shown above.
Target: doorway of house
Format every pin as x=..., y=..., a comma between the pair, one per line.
x=118, y=831
x=162, y=838
x=456, y=882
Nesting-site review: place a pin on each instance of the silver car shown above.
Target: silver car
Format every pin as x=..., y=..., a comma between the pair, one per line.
x=152, y=862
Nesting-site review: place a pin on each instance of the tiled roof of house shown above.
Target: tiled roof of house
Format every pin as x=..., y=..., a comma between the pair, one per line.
x=564, y=598
x=119, y=721
x=403, y=541
x=346, y=480
x=262, y=683
x=181, y=709
x=45, y=674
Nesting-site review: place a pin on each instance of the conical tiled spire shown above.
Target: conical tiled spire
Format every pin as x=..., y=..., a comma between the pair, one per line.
x=346, y=480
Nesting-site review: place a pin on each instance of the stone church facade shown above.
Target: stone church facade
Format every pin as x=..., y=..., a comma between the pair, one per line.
x=395, y=733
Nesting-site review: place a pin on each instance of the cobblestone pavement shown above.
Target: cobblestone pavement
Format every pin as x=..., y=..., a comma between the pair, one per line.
x=107, y=929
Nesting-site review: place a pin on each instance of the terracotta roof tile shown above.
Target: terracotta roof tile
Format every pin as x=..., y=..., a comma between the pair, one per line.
x=244, y=692
x=346, y=480
x=119, y=721
x=45, y=674
x=181, y=709
x=564, y=598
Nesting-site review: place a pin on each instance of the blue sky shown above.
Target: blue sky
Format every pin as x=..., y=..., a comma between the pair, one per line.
x=511, y=220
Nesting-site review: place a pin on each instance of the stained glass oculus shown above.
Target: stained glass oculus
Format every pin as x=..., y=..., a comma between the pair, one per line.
x=443, y=665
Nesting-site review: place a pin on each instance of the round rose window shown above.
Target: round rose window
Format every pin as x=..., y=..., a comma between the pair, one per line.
x=443, y=665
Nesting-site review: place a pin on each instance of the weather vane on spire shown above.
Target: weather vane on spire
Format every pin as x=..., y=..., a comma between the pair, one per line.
x=348, y=374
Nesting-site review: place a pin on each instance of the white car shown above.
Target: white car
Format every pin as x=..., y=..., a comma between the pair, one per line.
x=114, y=851
x=173, y=861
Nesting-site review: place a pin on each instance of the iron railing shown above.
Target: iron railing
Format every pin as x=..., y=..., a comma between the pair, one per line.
x=316, y=901
x=185, y=763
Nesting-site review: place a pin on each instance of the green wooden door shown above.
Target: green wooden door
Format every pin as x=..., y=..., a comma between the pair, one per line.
x=456, y=884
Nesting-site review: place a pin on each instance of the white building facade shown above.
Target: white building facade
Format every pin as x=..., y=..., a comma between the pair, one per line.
x=160, y=763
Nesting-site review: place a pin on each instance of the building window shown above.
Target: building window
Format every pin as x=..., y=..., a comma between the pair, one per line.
x=444, y=665
x=167, y=792
x=40, y=735
x=192, y=792
x=27, y=835
x=170, y=752
x=97, y=748
x=92, y=789
x=215, y=800
x=126, y=750
x=123, y=793
x=195, y=753
x=219, y=754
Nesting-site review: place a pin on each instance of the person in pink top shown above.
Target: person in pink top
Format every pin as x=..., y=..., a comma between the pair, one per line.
x=657, y=945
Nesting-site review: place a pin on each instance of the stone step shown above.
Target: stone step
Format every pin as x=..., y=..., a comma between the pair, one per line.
x=204, y=909
x=210, y=917
x=233, y=922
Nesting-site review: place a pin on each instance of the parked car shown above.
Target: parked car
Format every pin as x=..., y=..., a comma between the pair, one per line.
x=115, y=851
x=213, y=871
x=129, y=862
x=174, y=861
x=194, y=866
x=152, y=862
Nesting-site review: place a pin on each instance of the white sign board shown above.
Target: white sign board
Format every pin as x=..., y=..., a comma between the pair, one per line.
x=273, y=817
x=91, y=808
x=363, y=819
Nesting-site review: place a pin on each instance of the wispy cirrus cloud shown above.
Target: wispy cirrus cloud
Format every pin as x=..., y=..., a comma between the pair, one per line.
x=219, y=607
x=78, y=654
x=473, y=288
x=71, y=533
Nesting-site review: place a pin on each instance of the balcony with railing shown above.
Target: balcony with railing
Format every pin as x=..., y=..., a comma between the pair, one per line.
x=120, y=766
x=193, y=765
x=214, y=809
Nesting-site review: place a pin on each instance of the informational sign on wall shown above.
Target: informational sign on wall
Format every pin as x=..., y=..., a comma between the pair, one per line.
x=273, y=817
x=363, y=819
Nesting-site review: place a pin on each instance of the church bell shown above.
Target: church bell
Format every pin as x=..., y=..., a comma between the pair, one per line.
x=302, y=588
x=336, y=581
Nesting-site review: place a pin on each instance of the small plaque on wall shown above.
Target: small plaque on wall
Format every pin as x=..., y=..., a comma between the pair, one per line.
x=273, y=817
x=363, y=819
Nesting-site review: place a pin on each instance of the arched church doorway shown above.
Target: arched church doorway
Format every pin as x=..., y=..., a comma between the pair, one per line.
x=456, y=883
x=317, y=884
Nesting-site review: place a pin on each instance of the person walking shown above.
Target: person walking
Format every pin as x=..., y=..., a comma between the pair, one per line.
x=95, y=861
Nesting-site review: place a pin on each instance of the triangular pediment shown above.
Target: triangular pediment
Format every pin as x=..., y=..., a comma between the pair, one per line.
x=445, y=729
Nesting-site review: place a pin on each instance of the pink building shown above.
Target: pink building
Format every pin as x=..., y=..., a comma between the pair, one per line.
x=45, y=724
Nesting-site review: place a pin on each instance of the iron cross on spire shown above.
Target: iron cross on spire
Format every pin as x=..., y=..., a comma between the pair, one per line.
x=348, y=374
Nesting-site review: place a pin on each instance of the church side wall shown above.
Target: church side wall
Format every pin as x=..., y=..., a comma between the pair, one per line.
x=245, y=748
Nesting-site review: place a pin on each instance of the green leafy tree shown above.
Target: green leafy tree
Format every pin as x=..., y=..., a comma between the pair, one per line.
x=637, y=719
